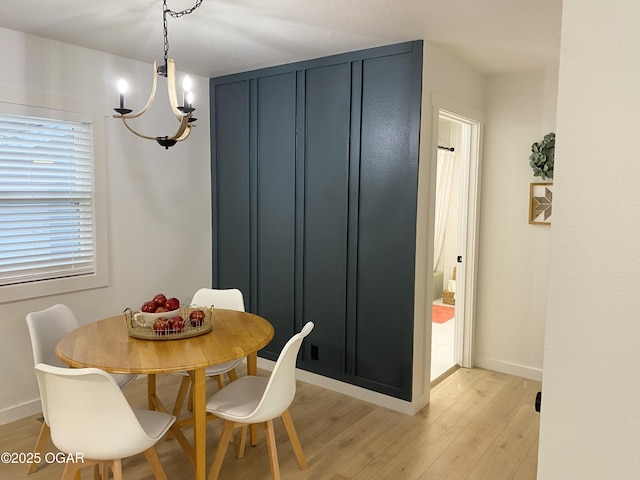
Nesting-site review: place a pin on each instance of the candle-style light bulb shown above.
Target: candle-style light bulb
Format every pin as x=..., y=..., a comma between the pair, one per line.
x=186, y=83
x=189, y=98
x=122, y=88
x=122, y=85
x=186, y=89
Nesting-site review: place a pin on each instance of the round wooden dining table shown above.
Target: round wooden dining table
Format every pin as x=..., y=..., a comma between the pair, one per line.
x=106, y=344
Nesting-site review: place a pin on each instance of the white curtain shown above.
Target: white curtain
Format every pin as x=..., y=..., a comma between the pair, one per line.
x=444, y=178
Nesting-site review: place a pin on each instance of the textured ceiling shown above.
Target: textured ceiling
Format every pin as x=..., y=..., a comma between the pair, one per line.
x=230, y=36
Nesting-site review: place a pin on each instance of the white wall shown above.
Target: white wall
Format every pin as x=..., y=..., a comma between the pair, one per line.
x=158, y=200
x=513, y=255
x=590, y=420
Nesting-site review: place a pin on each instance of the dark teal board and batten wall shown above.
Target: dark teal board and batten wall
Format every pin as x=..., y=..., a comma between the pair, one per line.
x=314, y=191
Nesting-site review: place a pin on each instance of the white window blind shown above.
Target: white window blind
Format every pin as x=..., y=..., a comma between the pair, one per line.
x=46, y=200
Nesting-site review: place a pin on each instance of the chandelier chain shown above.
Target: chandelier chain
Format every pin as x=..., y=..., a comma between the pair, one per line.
x=186, y=11
x=172, y=14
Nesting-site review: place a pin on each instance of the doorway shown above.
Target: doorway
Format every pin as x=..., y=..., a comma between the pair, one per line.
x=455, y=236
x=447, y=219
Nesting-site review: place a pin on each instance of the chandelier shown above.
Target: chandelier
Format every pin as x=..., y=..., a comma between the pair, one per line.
x=184, y=112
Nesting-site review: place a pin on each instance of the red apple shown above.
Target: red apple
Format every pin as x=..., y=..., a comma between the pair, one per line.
x=161, y=325
x=172, y=304
x=161, y=310
x=196, y=318
x=176, y=324
x=148, y=307
x=159, y=300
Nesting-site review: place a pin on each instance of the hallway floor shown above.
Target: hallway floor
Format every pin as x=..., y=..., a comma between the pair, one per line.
x=441, y=346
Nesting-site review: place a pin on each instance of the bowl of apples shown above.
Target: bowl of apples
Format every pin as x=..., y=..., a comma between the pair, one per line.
x=163, y=318
x=158, y=307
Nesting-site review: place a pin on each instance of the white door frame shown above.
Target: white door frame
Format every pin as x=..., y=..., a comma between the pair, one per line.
x=471, y=154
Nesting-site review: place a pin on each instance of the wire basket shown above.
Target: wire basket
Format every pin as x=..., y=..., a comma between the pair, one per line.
x=138, y=327
x=448, y=296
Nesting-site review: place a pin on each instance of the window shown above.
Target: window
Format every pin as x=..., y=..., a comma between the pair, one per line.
x=47, y=224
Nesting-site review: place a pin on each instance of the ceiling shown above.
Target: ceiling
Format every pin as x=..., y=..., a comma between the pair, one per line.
x=230, y=36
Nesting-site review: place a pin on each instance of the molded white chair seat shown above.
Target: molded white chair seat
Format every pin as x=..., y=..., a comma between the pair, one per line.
x=88, y=413
x=229, y=299
x=240, y=401
x=258, y=400
x=46, y=328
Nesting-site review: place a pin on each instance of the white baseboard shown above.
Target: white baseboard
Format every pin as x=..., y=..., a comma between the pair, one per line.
x=360, y=393
x=18, y=412
x=509, y=368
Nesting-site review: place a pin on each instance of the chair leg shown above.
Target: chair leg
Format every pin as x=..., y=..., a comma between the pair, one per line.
x=190, y=402
x=223, y=444
x=116, y=468
x=71, y=471
x=242, y=442
x=156, y=466
x=177, y=406
x=182, y=394
x=220, y=381
x=104, y=471
x=43, y=438
x=271, y=448
x=233, y=376
x=293, y=438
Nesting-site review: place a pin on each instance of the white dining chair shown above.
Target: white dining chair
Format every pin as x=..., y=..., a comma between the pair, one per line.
x=88, y=414
x=46, y=328
x=258, y=400
x=229, y=299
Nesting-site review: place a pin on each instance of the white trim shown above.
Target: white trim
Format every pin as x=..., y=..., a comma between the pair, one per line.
x=461, y=111
x=509, y=368
x=44, y=106
x=17, y=412
x=472, y=121
x=354, y=391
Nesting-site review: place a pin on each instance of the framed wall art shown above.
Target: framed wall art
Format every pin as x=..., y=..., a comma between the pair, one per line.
x=540, y=200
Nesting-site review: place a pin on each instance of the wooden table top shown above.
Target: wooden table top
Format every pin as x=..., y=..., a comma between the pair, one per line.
x=106, y=344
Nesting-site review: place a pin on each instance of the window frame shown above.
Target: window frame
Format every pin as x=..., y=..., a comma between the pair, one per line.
x=56, y=286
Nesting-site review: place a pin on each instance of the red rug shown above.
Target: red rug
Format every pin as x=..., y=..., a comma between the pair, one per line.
x=442, y=313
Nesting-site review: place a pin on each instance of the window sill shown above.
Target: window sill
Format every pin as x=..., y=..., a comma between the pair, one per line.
x=13, y=293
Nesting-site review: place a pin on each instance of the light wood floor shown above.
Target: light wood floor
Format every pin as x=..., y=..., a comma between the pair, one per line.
x=479, y=425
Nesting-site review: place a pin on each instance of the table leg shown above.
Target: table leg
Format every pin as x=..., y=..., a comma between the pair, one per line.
x=252, y=369
x=200, y=422
x=151, y=390
x=252, y=363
